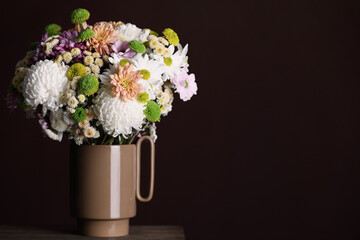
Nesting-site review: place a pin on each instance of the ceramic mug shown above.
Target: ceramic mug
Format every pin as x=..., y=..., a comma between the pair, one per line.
x=104, y=186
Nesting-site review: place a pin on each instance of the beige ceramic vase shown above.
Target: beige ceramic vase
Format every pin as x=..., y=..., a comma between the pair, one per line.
x=104, y=186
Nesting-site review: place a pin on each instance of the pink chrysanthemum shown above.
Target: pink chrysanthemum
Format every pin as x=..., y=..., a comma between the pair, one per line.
x=124, y=82
x=105, y=35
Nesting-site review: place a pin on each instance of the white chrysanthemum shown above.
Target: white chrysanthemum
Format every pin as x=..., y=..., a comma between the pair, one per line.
x=155, y=68
x=178, y=61
x=54, y=136
x=57, y=120
x=116, y=116
x=43, y=84
x=129, y=32
x=67, y=117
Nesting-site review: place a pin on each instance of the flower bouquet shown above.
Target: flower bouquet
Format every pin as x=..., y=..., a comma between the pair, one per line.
x=101, y=84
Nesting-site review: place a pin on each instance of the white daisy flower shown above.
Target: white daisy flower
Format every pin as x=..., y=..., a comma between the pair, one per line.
x=74, y=82
x=70, y=93
x=95, y=68
x=81, y=98
x=72, y=102
x=89, y=115
x=84, y=124
x=75, y=51
x=99, y=62
x=88, y=60
x=176, y=61
x=89, y=132
x=67, y=57
x=87, y=70
x=152, y=71
x=70, y=109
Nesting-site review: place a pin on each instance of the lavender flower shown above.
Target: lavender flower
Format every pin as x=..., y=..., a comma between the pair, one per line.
x=122, y=49
x=67, y=42
x=42, y=121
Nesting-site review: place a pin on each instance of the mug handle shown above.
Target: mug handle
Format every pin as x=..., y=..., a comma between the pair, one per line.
x=152, y=170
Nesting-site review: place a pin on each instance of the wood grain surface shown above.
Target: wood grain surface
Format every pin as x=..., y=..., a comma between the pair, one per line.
x=8, y=232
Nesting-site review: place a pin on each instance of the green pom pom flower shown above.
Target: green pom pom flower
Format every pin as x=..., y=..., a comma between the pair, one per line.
x=79, y=115
x=85, y=35
x=152, y=111
x=137, y=46
x=79, y=15
x=171, y=36
x=52, y=29
x=76, y=70
x=143, y=97
x=88, y=85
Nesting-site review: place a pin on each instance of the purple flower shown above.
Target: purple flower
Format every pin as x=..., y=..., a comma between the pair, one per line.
x=67, y=41
x=42, y=121
x=12, y=100
x=122, y=49
x=39, y=52
x=185, y=85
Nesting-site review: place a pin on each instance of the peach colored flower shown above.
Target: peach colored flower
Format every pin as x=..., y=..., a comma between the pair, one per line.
x=105, y=35
x=124, y=82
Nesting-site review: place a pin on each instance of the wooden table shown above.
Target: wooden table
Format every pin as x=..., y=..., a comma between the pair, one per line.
x=68, y=233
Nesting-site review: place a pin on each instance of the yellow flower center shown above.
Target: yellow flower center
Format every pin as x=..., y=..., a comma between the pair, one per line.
x=168, y=61
x=145, y=73
x=123, y=62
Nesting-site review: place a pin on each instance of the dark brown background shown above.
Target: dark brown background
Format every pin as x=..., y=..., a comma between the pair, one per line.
x=268, y=149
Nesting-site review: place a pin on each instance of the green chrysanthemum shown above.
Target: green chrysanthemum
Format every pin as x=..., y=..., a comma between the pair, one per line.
x=76, y=70
x=171, y=36
x=85, y=35
x=143, y=97
x=152, y=111
x=79, y=115
x=79, y=15
x=52, y=29
x=137, y=46
x=88, y=85
x=152, y=32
